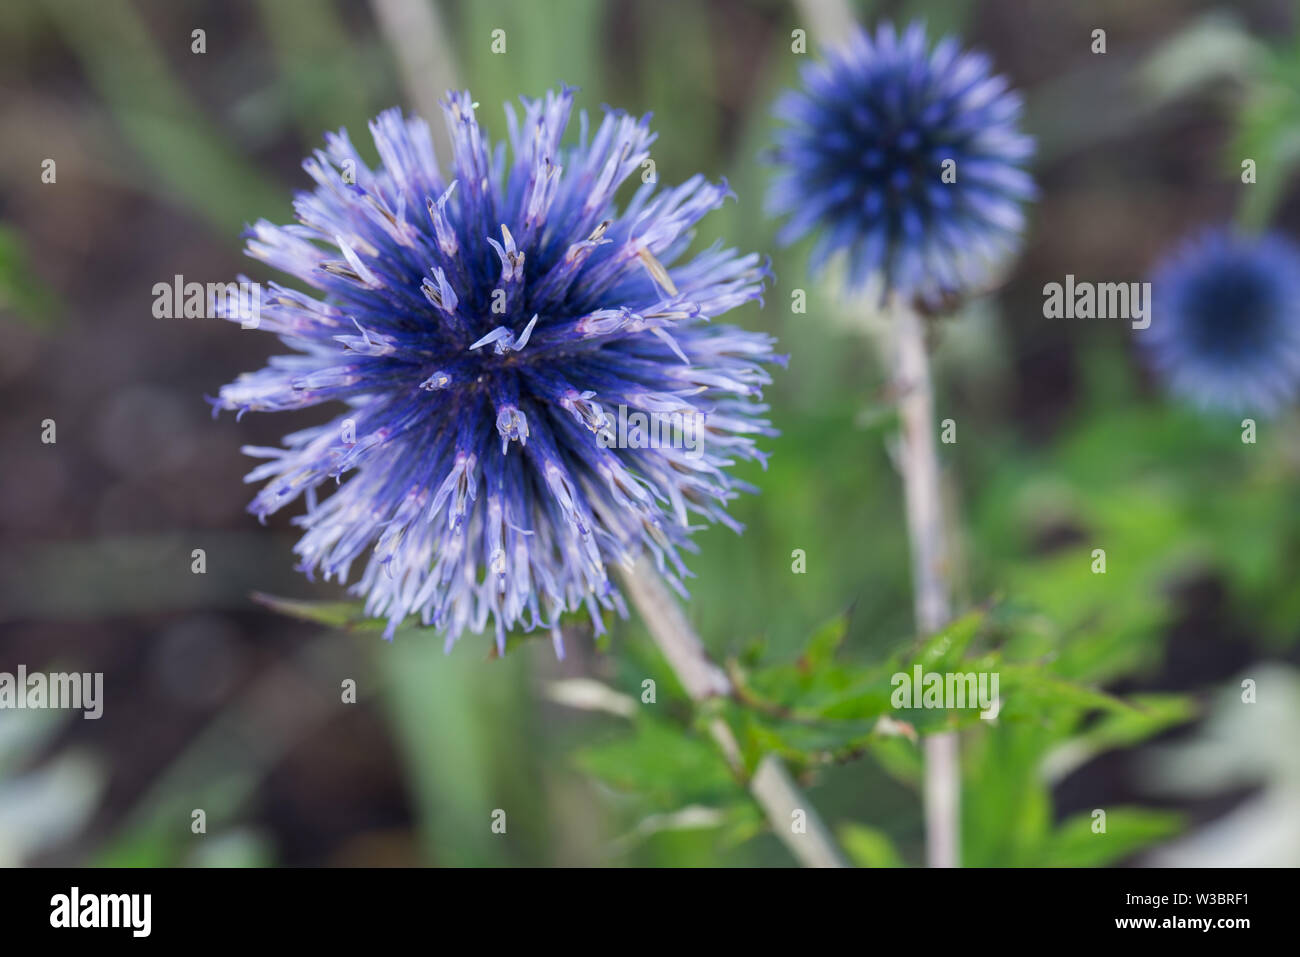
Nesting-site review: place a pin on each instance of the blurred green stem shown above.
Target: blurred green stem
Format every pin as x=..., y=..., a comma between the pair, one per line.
x=772, y=787
x=194, y=160
x=918, y=463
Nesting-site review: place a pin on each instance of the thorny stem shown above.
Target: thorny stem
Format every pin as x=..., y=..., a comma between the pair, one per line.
x=771, y=785
x=918, y=463
x=830, y=20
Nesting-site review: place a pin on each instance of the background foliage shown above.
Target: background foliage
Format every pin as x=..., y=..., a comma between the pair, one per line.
x=1064, y=446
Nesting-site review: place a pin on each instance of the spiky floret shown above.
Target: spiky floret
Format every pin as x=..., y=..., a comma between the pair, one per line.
x=482, y=329
x=1225, y=321
x=906, y=159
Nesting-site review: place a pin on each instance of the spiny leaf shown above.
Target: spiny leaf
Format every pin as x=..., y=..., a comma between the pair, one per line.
x=1128, y=830
x=349, y=615
x=662, y=766
x=945, y=649
x=824, y=643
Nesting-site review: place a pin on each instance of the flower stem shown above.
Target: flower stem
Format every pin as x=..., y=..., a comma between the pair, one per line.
x=918, y=463
x=771, y=785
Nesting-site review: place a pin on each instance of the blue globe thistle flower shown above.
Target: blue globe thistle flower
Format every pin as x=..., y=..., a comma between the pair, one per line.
x=906, y=159
x=1225, y=321
x=489, y=332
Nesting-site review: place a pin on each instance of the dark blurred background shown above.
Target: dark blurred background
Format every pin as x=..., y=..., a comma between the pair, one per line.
x=214, y=702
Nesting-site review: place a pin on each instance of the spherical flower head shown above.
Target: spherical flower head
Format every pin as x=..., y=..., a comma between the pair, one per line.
x=906, y=159
x=1225, y=321
x=534, y=390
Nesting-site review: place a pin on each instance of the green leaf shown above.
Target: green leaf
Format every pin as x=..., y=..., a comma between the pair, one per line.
x=1128, y=830
x=824, y=643
x=900, y=758
x=348, y=615
x=663, y=765
x=802, y=744
x=351, y=616
x=1150, y=714
x=1031, y=689
x=1006, y=808
x=869, y=847
x=944, y=650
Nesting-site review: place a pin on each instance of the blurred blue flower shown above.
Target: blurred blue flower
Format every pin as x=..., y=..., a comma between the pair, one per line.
x=907, y=159
x=482, y=330
x=1225, y=321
